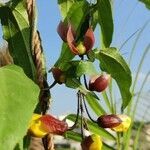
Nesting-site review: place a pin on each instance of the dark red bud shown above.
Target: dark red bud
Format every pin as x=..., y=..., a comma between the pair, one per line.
x=109, y=121
x=85, y=144
x=62, y=30
x=53, y=125
x=89, y=39
x=58, y=75
x=99, y=83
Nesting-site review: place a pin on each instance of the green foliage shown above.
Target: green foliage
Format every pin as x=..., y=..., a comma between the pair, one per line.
x=65, y=56
x=146, y=2
x=94, y=105
x=16, y=31
x=105, y=20
x=18, y=98
x=79, y=68
x=113, y=63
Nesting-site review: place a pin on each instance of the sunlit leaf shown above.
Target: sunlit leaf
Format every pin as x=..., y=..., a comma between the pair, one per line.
x=106, y=21
x=16, y=31
x=18, y=99
x=73, y=135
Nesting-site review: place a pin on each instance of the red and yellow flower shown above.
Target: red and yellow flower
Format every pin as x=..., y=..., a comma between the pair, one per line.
x=40, y=125
x=118, y=123
x=68, y=35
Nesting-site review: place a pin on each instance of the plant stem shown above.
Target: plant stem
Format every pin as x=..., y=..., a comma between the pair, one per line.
x=88, y=111
x=118, y=142
x=82, y=110
x=78, y=111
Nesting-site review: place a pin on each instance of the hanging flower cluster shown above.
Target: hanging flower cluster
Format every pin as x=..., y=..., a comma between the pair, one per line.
x=41, y=125
x=68, y=35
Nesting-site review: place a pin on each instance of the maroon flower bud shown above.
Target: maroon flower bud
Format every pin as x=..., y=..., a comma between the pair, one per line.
x=58, y=75
x=62, y=30
x=109, y=121
x=99, y=83
x=82, y=47
x=53, y=125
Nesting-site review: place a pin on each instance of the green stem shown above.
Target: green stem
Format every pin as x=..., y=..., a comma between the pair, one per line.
x=118, y=142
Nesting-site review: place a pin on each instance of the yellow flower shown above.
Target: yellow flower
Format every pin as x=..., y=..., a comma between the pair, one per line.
x=92, y=142
x=125, y=124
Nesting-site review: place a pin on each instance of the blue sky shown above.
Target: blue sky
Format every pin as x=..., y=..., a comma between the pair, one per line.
x=129, y=16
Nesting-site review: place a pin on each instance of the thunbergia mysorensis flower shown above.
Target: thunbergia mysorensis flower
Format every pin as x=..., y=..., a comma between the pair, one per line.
x=67, y=34
x=81, y=47
x=92, y=142
x=58, y=75
x=40, y=125
x=118, y=123
x=99, y=83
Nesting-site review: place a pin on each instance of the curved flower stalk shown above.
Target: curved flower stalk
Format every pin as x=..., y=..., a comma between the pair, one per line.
x=40, y=125
x=118, y=123
x=68, y=35
x=92, y=142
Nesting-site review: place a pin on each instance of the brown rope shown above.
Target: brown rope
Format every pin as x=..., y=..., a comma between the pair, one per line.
x=36, y=43
x=38, y=59
x=37, y=54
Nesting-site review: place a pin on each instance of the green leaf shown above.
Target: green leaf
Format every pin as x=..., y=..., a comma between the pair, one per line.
x=113, y=63
x=94, y=104
x=77, y=14
x=105, y=21
x=64, y=6
x=65, y=56
x=18, y=99
x=16, y=31
x=146, y=2
x=93, y=127
x=107, y=147
x=73, y=136
x=79, y=68
x=85, y=67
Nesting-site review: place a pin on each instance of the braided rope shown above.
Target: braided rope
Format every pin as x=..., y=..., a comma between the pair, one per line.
x=38, y=59
x=37, y=53
x=36, y=43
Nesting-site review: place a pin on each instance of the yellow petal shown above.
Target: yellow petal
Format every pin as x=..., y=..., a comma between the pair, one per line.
x=35, y=126
x=124, y=126
x=97, y=142
x=37, y=130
